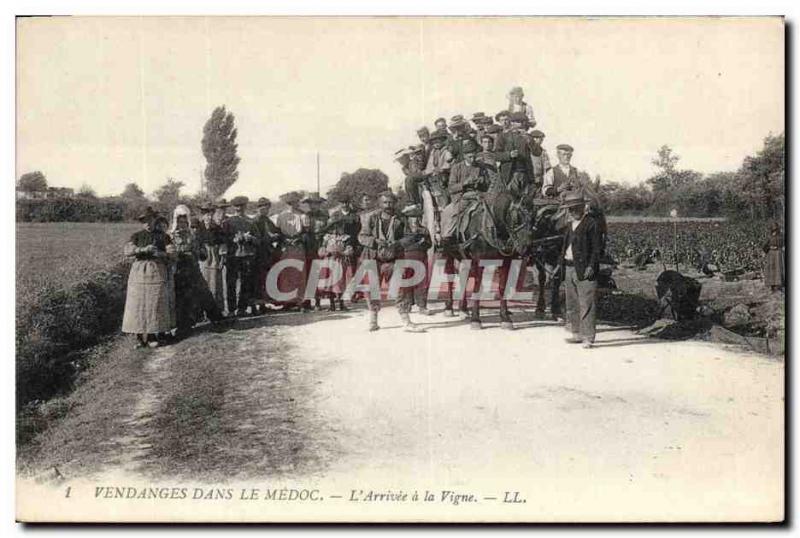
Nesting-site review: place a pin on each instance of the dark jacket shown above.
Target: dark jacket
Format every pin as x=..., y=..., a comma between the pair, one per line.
x=508, y=142
x=242, y=236
x=456, y=146
x=466, y=178
x=587, y=244
x=269, y=236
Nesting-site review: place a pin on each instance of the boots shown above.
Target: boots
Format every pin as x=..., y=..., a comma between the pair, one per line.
x=373, y=320
x=408, y=326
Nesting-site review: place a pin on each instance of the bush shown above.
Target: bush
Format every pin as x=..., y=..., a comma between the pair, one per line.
x=52, y=330
x=71, y=210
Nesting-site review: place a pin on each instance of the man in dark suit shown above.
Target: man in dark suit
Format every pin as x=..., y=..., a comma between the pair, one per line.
x=269, y=239
x=241, y=259
x=580, y=255
x=513, y=151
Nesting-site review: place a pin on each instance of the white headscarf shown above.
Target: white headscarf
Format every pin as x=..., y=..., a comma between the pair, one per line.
x=179, y=210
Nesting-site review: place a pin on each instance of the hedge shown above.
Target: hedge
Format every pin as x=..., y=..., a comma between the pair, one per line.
x=62, y=322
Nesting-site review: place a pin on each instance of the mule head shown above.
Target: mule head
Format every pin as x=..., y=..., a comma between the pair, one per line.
x=522, y=225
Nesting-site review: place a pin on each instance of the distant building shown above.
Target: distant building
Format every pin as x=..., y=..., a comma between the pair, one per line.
x=49, y=193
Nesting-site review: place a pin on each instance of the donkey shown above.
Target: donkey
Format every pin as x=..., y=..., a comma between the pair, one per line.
x=497, y=228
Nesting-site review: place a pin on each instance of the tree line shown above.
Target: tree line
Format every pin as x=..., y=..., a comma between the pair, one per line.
x=754, y=191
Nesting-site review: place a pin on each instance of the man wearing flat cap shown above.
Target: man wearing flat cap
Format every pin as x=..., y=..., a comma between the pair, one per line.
x=240, y=264
x=580, y=257
x=539, y=157
x=513, y=151
x=468, y=179
x=564, y=177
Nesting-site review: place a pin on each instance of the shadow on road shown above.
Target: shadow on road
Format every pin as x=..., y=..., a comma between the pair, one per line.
x=617, y=328
x=624, y=342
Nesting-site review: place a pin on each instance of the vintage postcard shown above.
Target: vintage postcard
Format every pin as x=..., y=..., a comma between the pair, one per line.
x=400, y=269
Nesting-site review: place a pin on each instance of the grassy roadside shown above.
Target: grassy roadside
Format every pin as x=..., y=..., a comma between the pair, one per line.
x=213, y=407
x=238, y=404
x=74, y=432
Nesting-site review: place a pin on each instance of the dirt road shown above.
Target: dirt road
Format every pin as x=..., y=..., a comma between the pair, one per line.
x=635, y=428
x=631, y=424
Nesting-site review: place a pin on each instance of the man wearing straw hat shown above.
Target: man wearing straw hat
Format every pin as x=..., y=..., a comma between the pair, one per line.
x=461, y=133
x=481, y=122
x=580, y=255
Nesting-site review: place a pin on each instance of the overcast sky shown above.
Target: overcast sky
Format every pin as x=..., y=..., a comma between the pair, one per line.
x=107, y=101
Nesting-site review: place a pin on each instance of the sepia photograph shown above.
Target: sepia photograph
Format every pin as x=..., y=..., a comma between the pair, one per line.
x=401, y=269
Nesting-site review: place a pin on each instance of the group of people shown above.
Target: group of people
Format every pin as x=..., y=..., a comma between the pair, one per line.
x=460, y=160
x=217, y=266
x=209, y=267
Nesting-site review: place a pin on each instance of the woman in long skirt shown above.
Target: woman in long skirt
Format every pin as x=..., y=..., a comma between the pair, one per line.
x=294, y=226
x=213, y=241
x=150, y=300
x=774, y=268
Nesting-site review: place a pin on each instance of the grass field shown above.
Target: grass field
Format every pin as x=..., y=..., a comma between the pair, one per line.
x=637, y=218
x=65, y=252
x=70, y=294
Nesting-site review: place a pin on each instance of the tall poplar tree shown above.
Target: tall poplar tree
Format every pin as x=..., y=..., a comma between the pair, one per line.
x=219, y=148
